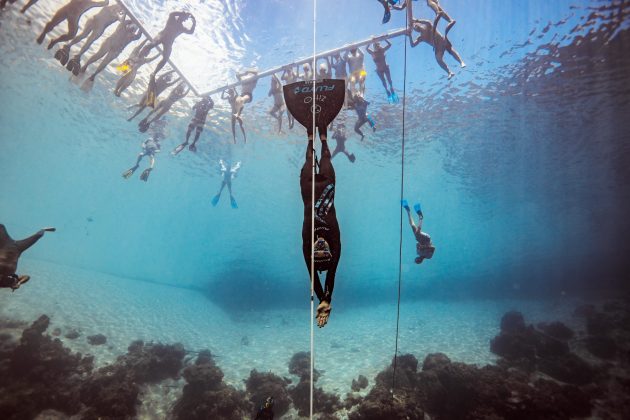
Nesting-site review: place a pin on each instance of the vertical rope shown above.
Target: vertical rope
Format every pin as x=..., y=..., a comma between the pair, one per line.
x=402, y=188
x=313, y=213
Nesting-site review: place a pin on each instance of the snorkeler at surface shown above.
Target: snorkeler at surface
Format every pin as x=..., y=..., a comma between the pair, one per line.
x=382, y=68
x=201, y=109
x=94, y=27
x=359, y=104
x=436, y=40
x=279, y=107
x=339, y=134
x=10, y=251
x=339, y=65
x=424, y=247
x=150, y=147
x=163, y=82
x=138, y=57
x=126, y=32
x=307, y=76
x=325, y=69
x=227, y=177
x=265, y=412
x=177, y=93
x=174, y=28
x=71, y=12
x=231, y=96
x=354, y=57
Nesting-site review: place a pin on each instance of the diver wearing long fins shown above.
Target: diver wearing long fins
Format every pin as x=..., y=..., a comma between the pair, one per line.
x=10, y=252
x=326, y=249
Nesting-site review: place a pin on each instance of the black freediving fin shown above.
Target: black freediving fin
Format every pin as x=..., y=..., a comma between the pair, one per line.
x=329, y=98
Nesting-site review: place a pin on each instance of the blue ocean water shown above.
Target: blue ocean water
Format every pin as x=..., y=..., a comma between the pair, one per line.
x=520, y=162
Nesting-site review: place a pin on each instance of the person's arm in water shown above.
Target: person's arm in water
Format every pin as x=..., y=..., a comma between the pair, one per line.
x=386, y=47
x=26, y=243
x=371, y=52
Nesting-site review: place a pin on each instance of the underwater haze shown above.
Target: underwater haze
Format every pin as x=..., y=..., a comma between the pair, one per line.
x=521, y=162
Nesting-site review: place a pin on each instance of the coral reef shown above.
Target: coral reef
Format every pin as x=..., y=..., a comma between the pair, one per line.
x=262, y=385
x=205, y=395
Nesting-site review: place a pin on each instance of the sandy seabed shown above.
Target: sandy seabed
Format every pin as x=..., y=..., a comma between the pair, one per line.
x=356, y=341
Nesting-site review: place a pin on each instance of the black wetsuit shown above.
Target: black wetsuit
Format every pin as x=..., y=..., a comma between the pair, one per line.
x=10, y=251
x=264, y=413
x=326, y=225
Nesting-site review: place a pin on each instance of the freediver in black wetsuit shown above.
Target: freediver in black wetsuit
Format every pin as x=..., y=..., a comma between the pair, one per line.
x=321, y=238
x=327, y=246
x=10, y=251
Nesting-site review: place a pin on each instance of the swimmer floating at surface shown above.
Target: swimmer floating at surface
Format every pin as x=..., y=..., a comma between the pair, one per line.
x=279, y=107
x=138, y=57
x=356, y=102
x=382, y=68
x=10, y=252
x=228, y=176
x=424, y=247
x=126, y=32
x=201, y=109
x=71, y=12
x=354, y=58
x=94, y=27
x=163, y=82
x=436, y=40
x=339, y=134
x=174, y=28
x=177, y=93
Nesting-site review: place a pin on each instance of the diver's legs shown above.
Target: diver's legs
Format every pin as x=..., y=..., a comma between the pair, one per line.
x=28, y=5
x=389, y=79
x=95, y=57
x=59, y=17
x=166, y=53
x=358, y=125
x=108, y=59
x=73, y=28
x=189, y=131
x=197, y=134
x=240, y=123
x=381, y=76
x=455, y=55
x=439, y=57
x=125, y=81
x=140, y=109
x=325, y=162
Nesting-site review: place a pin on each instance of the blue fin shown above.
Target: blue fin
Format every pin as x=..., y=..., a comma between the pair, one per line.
x=405, y=204
x=233, y=203
x=386, y=16
x=417, y=208
x=215, y=200
x=389, y=98
x=394, y=98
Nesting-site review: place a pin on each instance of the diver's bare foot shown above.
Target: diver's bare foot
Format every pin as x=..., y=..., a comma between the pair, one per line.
x=323, y=313
x=463, y=65
x=49, y=229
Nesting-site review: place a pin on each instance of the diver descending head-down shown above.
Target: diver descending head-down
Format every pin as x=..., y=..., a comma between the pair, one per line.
x=321, y=239
x=424, y=247
x=10, y=252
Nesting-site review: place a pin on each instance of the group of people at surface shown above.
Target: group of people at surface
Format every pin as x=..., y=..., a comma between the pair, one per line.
x=326, y=250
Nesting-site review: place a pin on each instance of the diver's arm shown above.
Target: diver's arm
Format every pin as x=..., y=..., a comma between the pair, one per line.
x=25, y=244
x=415, y=42
x=389, y=44
x=369, y=50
